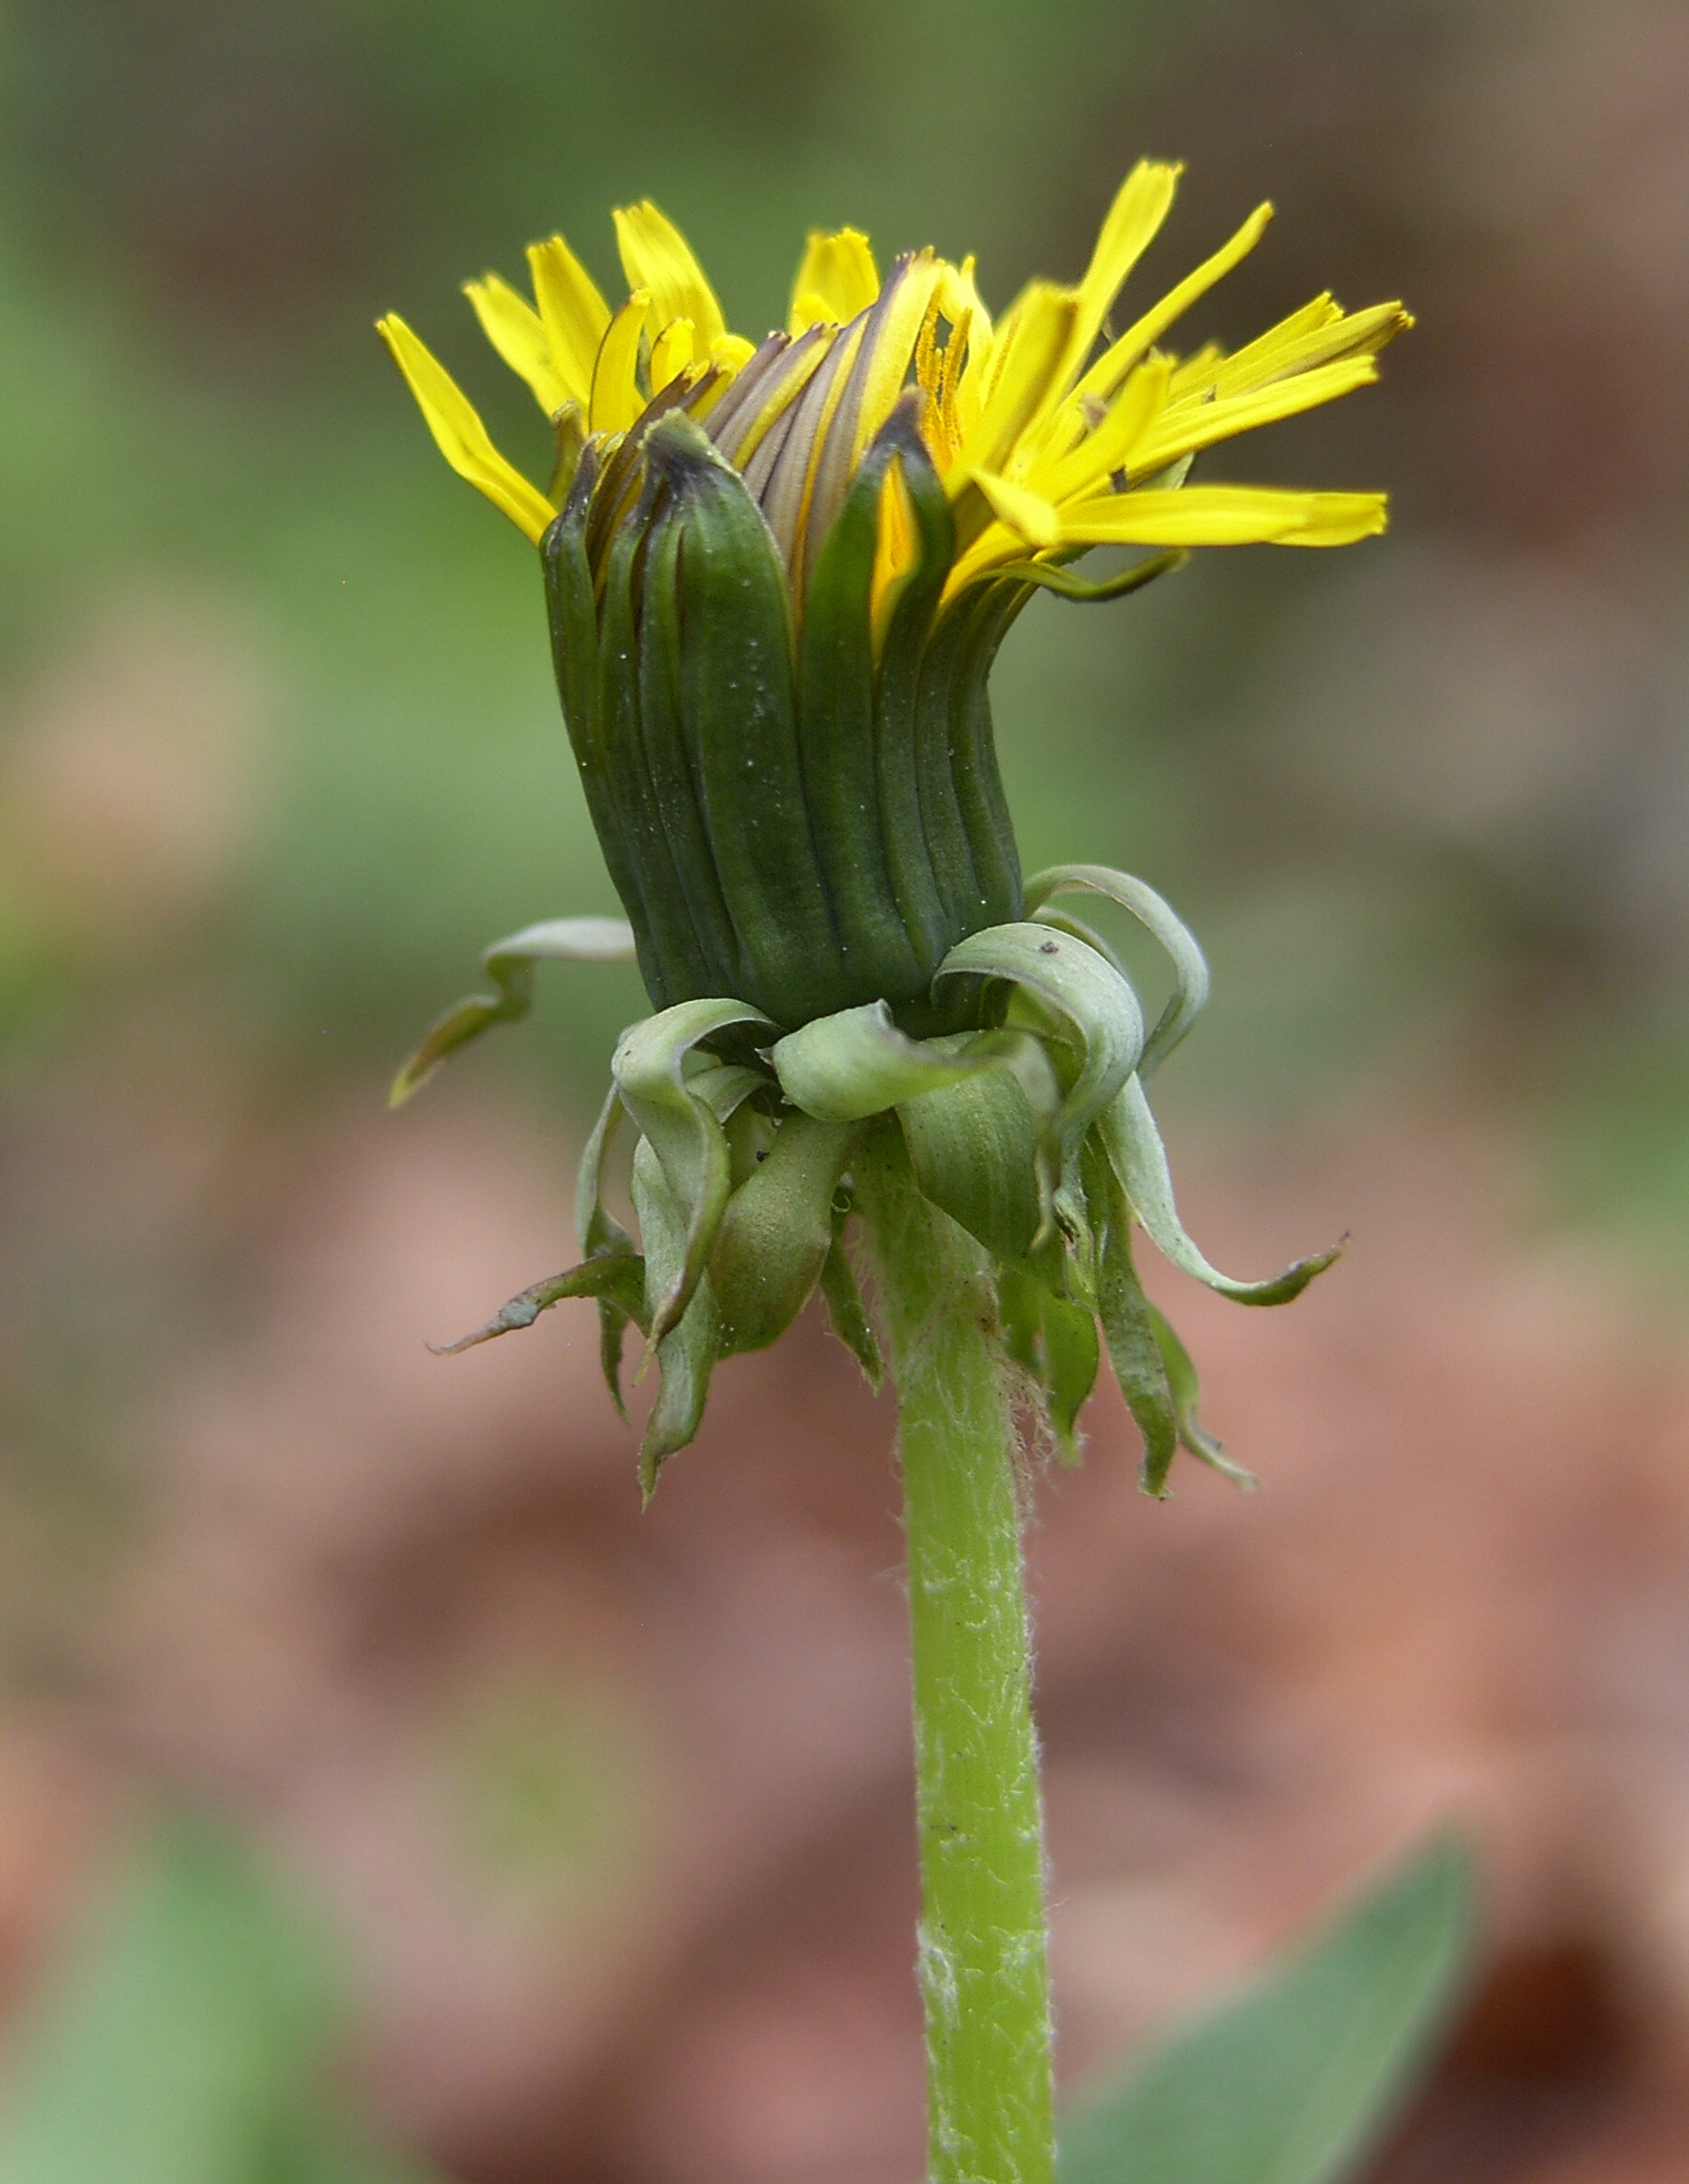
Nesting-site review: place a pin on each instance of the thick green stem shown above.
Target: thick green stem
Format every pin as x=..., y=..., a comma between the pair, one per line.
x=984, y=1959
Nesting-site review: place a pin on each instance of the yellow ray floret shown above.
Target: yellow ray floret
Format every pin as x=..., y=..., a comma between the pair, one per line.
x=460, y=435
x=616, y=397
x=1022, y=367
x=1185, y=427
x=1029, y=515
x=1224, y=515
x=1134, y=219
x=1112, y=446
x=516, y=330
x=1052, y=434
x=571, y=309
x=655, y=256
x=671, y=351
x=1118, y=358
x=836, y=279
x=895, y=324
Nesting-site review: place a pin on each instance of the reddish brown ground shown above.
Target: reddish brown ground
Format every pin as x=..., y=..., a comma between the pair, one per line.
x=615, y=1808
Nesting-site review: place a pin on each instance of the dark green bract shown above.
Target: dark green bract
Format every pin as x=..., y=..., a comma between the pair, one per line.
x=791, y=813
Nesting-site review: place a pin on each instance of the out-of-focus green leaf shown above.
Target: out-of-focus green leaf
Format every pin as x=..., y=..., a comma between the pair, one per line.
x=1071, y=1357
x=1137, y=1356
x=1293, y=2080
x=687, y=1352
x=599, y=1232
x=1187, y=1391
x=186, y=2042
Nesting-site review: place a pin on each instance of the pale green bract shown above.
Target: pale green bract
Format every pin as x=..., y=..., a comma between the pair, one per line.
x=845, y=1067
x=1034, y=1134
x=510, y=965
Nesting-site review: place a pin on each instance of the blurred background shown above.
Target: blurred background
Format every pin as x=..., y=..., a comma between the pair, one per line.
x=608, y=1818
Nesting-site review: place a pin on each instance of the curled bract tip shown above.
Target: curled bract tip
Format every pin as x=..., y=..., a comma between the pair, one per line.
x=1033, y=1132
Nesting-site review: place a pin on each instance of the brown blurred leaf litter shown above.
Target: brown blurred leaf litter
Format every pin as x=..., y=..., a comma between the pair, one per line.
x=588, y=1787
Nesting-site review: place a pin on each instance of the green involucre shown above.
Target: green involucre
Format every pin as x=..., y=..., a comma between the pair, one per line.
x=796, y=811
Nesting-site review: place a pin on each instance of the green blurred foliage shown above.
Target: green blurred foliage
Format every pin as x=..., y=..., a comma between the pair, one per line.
x=186, y=2041
x=549, y=1793
x=1296, y=2078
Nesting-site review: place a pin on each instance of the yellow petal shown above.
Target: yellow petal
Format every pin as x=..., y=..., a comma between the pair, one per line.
x=460, y=435
x=893, y=329
x=766, y=394
x=670, y=353
x=616, y=398
x=772, y=393
x=809, y=310
x=1136, y=212
x=964, y=391
x=1029, y=515
x=1224, y=515
x=790, y=492
x=1114, y=364
x=1026, y=355
x=1198, y=372
x=838, y=274
x=1280, y=353
x=1114, y=444
x=929, y=363
x=1195, y=374
x=732, y=352
x=655, y=256
x=945, y=424
x=572, y=312
x=516, y=330
x=1340, y=519
x=1191, y=425
x=705, y=391
x=895, y=549
x=958, y=299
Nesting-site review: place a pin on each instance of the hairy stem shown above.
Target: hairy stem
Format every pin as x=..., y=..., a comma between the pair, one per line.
x=984, y=1967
